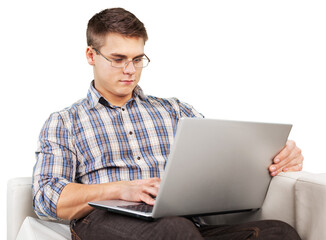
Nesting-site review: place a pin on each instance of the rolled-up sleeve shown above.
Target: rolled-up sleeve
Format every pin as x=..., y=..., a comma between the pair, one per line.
x=55, y=165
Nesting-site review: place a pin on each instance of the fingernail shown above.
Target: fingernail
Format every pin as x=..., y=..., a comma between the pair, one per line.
x=274, y=173
x=276, y=160
x=273, y=168
x=285, y=169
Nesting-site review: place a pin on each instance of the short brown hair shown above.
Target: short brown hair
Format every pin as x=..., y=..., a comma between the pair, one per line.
x=113, y=20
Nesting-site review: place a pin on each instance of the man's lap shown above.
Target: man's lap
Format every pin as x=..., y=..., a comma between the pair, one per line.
x=101, y=224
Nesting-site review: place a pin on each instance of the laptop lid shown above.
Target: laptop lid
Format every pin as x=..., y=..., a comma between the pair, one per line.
x=214, y=166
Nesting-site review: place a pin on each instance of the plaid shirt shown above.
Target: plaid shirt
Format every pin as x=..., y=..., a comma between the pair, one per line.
x=94, y=142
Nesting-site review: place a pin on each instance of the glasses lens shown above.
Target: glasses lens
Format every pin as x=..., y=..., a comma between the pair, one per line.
x=138, y=62
x=118, y=63
x=145, y=62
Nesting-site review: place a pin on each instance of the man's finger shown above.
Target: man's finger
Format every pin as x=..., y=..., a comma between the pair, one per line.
x=280, y=165
x=295, y=168
x=147, y=199
x=274, y=173
x=285, y=152
x=152, y=181
x=298, y=160
x=295, y=165
x=150, y=190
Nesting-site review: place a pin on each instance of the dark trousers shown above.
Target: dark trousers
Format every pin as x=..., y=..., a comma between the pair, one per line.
x=101, y=224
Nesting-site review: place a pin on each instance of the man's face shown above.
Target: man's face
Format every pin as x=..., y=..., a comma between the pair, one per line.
x=116, y=84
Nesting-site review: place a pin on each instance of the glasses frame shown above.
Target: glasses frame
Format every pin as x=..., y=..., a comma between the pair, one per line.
x=125, y=63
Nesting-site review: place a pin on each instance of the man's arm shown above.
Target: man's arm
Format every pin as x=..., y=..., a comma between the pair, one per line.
x=289, y=159
x=56, y=195
x=55, y=166
x=74, y=197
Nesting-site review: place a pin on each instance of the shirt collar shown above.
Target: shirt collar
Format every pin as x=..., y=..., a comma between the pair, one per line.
x=138, y=92
x=94, y=96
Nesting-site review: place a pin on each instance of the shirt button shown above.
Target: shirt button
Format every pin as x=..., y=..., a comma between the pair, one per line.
x=138, y=158
x=122, y=109
x=130, y=132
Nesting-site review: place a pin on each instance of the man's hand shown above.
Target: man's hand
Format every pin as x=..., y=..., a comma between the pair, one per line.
x=289, y=159
x=140, y=190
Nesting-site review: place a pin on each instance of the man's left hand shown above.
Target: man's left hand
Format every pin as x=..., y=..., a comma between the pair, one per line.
x=289, y=159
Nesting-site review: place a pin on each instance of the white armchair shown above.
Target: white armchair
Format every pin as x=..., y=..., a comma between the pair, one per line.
x=298, y=198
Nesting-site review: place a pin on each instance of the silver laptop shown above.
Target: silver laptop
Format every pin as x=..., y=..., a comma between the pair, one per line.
x=214, y=167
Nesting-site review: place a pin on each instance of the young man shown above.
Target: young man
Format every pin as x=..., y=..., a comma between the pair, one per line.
x=114, y=144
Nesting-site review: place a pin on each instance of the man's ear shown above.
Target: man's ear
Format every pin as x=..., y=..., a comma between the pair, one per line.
x=90, y=56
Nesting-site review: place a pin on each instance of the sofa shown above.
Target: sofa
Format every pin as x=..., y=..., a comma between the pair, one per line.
x=298, y=198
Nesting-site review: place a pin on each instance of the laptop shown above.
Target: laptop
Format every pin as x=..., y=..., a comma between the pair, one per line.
x=214, y=167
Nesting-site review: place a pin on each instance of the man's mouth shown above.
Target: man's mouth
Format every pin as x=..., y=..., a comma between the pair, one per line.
x=127, y=81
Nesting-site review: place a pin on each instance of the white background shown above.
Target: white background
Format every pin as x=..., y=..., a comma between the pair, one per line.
x=243, y=60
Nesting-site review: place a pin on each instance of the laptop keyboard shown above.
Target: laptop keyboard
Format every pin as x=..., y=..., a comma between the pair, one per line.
x=142, y=207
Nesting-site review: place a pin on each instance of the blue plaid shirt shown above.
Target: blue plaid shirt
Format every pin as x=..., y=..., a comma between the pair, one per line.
x=94, y=142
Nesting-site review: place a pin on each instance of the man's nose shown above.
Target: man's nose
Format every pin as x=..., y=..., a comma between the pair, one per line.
x=129, y=68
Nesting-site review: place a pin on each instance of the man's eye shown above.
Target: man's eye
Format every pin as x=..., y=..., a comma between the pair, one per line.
x=137, y=60
x=118, y=60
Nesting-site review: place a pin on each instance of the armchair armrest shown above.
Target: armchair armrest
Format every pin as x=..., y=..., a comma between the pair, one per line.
x=19, y=204
x=280, y=200
x=310, y=206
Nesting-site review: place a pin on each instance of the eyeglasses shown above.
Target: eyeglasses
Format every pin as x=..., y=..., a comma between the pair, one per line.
x=139, y=62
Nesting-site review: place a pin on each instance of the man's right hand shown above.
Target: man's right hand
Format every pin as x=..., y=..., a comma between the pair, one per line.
x=144, y=190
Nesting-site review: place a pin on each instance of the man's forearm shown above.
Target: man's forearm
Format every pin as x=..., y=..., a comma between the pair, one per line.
x=74, y=197
x=72, y=203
